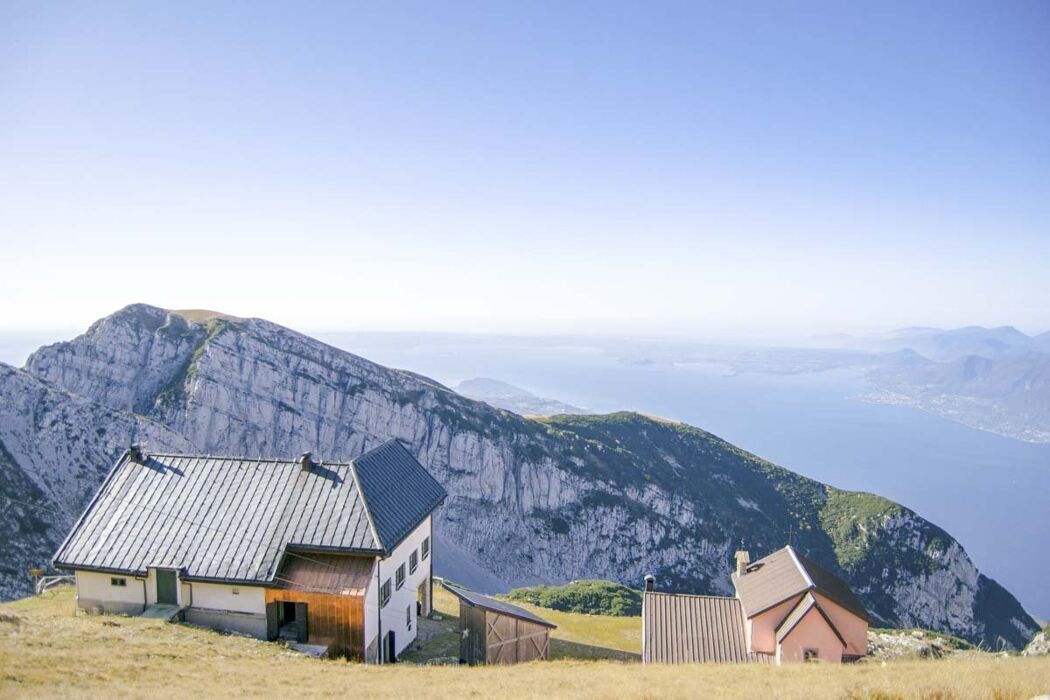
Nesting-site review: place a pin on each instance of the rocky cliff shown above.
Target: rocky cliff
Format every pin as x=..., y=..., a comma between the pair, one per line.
x=531, y=501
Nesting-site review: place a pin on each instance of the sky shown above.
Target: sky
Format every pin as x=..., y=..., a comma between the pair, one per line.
x=690, y=169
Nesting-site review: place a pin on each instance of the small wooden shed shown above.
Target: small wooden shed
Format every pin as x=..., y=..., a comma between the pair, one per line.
x=494, y=632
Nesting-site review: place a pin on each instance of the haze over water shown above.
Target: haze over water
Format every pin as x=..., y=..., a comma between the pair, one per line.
x=987, y=491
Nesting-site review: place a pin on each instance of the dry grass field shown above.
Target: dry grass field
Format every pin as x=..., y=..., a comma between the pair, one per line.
x=48, y=651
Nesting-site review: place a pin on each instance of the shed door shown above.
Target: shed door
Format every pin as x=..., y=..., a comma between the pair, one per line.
x=166, y=583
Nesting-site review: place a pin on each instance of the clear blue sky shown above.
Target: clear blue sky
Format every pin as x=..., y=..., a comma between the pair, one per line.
x=686, y=168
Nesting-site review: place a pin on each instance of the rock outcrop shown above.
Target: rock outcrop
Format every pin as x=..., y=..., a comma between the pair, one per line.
x=1040, y=644
x=531, y=500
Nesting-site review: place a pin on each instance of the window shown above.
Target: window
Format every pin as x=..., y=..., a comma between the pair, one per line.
x=408, y=618
x=400, y=576
x=384, y=593
x=810, y=655
x=413, y=561
x=117, y=581
x=426, y=547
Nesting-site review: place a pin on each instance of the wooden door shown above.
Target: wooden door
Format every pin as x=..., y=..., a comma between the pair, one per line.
x=166, y=587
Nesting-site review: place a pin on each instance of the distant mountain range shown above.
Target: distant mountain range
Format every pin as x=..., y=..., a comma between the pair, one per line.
x=994, y=379
x=543, y=500
x=946, y=345
x=512, y=398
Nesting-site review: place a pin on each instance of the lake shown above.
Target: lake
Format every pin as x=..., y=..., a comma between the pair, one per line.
x=990, y=492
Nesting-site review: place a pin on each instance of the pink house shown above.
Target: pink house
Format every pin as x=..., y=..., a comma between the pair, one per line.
x=787, y=608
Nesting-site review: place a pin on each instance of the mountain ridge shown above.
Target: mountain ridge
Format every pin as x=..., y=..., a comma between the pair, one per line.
x=531, y=501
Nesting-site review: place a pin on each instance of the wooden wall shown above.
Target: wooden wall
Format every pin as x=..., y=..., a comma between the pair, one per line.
x=495, y=638
x=336, y=621
x=471, y=646
x=511, y=640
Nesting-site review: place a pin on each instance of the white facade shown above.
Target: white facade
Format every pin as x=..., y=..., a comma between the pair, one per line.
x=99, y=592
x=233, y=608
x=399, y=613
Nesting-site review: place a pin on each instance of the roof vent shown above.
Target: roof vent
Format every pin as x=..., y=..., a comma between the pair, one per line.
x=650, y=583
x=306, y=462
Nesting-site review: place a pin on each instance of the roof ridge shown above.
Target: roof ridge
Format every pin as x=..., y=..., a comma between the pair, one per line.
x=802, y=569
x=364, y=502
x=243, y=458
x=378, y=447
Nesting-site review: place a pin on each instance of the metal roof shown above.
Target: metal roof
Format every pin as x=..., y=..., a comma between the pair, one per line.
x=770, y=581
x=397, y=490
x=488, y=603
x=681, y=628
x=785, y=574
x=231, y=518
x=806, y=605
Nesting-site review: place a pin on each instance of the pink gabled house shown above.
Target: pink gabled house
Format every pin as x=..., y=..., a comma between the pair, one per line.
x=787, y=608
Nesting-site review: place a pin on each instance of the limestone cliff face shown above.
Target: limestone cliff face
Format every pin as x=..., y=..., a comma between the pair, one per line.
x=530, y=500
x=55, y=450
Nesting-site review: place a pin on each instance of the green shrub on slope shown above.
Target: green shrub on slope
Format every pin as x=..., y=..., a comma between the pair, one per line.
x=592, y=597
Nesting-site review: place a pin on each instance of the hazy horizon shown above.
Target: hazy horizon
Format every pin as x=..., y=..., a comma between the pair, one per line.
x=683, y=169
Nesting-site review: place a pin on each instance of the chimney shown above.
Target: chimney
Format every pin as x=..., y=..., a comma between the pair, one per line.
x=743, y=558
x=305, y=462
x=650, y=583
x=135, y=454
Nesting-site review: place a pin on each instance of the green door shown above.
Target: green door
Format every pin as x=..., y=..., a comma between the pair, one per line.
x=166, y=582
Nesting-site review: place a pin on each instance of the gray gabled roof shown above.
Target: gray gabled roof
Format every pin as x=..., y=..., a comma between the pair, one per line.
x=680, y=628
x=397, y=491
x=232, y=519
x=489, y=603
x=785, y=574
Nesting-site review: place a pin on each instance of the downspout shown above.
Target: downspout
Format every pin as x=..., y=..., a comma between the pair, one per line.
x=430, y=596
x=379, y=613
x=145, y=600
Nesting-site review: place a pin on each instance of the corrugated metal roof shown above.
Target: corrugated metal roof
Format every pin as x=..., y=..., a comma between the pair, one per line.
x=396, y=490
x=694, y=629
x=806, y=605
x=484, y=601
x=231, y=519
x=339, y=574
x=769, y=581
x=784, y=574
